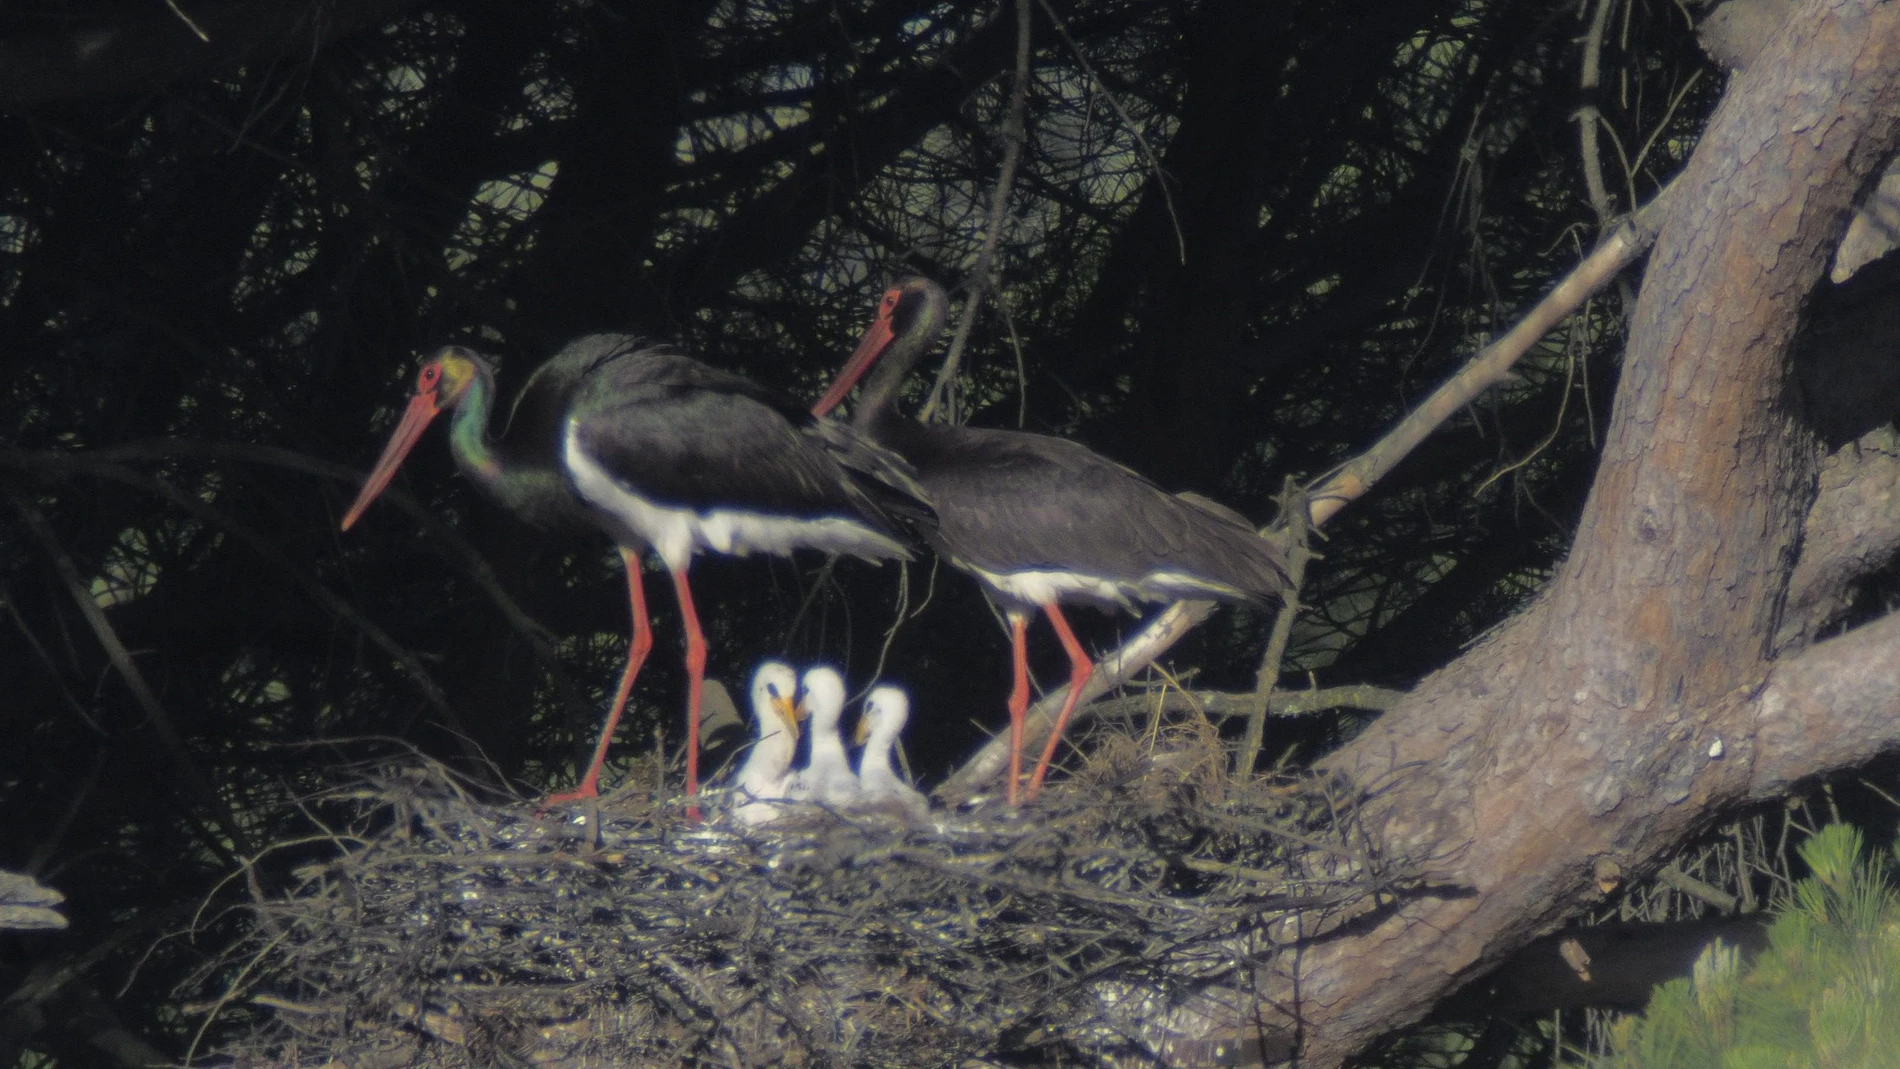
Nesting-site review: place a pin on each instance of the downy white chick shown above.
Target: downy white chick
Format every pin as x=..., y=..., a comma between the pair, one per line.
x=827, y=776
x=765, y=778
x=885, y=711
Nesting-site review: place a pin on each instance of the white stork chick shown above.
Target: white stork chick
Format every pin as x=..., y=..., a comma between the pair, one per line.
x=827, y=775
x=764, y=780
x=885, y=711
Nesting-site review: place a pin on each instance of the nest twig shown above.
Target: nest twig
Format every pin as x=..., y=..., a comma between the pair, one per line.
x=445, y=931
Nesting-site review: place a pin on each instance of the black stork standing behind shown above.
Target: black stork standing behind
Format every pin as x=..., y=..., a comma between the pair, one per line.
x=661, y=452
x=1042, y=521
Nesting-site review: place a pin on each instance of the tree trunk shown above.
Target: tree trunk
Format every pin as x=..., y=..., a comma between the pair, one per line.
x=1636, y=701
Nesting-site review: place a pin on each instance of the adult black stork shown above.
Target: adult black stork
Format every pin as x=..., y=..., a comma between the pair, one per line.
x=1043, y=521
x=660, y=451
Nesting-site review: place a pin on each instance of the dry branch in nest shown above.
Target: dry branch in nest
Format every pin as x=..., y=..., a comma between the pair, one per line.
x=445, y=931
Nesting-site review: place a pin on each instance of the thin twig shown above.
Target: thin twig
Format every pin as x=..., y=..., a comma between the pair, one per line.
x=52, y=668
x=890, y=634
x=1492, y=364
x=1674, y=878
x=1589, y=119
x=1014, y=136
x=442, y=537
x=1571, y=362
x=1298, y=552
x=196, y=30
x=1022, y=371
x=1153, y=161
x=43, y=853
x=128, y=670
x=319, y=593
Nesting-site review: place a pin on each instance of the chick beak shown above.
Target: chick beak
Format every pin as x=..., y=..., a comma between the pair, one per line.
x=788, y=712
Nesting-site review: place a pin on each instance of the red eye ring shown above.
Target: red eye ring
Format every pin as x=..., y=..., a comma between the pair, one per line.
x=431, y=374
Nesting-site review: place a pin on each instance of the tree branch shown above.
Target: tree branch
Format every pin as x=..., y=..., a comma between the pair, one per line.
x=1834, y=706
x=147, y=51
x=1604, y=965
x=128, y=671
x=1487, y=369
x=1601, y=727
x=1223, y=705
x=319, y=593
x=1299, y=539
x=1588, y=118
x=440, y=536
x=1014, y=136
x=1852, y=530
x=1492, y=364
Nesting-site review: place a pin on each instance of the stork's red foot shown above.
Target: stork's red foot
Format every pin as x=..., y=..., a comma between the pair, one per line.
x=588, y=791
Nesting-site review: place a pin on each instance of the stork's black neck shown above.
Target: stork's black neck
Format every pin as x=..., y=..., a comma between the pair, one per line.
x=518, y=475
x=915, y=324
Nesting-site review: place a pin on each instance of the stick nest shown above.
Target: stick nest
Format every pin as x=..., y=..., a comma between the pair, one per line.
x=1117, y=914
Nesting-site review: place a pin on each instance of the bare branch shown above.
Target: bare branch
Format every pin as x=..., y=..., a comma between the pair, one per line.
x=1852, y=529
x=1014, y=134
x=1834, y=706
x=1492, y=364
x=1293, y=505
x=1588, y=118
x=1222, y=705
x=147, y=51
x=1622, y=964
x=1114, y=103
x=440, y=536
x=128, y=670
x=319, y=593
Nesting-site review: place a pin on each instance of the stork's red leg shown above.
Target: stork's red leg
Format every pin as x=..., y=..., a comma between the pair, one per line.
x=695, y=679
x=1081, y=666
x=637, y=651
x=1018, y=699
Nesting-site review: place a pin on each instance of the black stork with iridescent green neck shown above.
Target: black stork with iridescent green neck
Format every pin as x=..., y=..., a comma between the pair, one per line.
x=665, y=453
x=1044, y=521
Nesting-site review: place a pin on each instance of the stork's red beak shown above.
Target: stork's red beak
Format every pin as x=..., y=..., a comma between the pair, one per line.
x=870, y=347
x=422, y=409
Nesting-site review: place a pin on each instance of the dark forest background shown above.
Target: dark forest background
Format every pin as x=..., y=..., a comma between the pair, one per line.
x=1240, y=240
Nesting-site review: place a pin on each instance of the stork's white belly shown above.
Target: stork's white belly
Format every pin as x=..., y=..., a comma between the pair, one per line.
x=677, y=533
x=1044, y=587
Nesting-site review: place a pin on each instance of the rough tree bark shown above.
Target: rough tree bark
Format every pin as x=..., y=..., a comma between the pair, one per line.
x=1637, y=700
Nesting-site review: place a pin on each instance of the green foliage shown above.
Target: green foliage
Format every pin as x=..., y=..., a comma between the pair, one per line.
x=1822, y=996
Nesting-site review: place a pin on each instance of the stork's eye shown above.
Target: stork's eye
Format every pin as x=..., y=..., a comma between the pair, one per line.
x=430, y=375
x=891, y=297
x=772, y=689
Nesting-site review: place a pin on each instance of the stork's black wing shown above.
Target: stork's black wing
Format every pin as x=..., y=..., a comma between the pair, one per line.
x=683, y=434
x=1008, y=501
